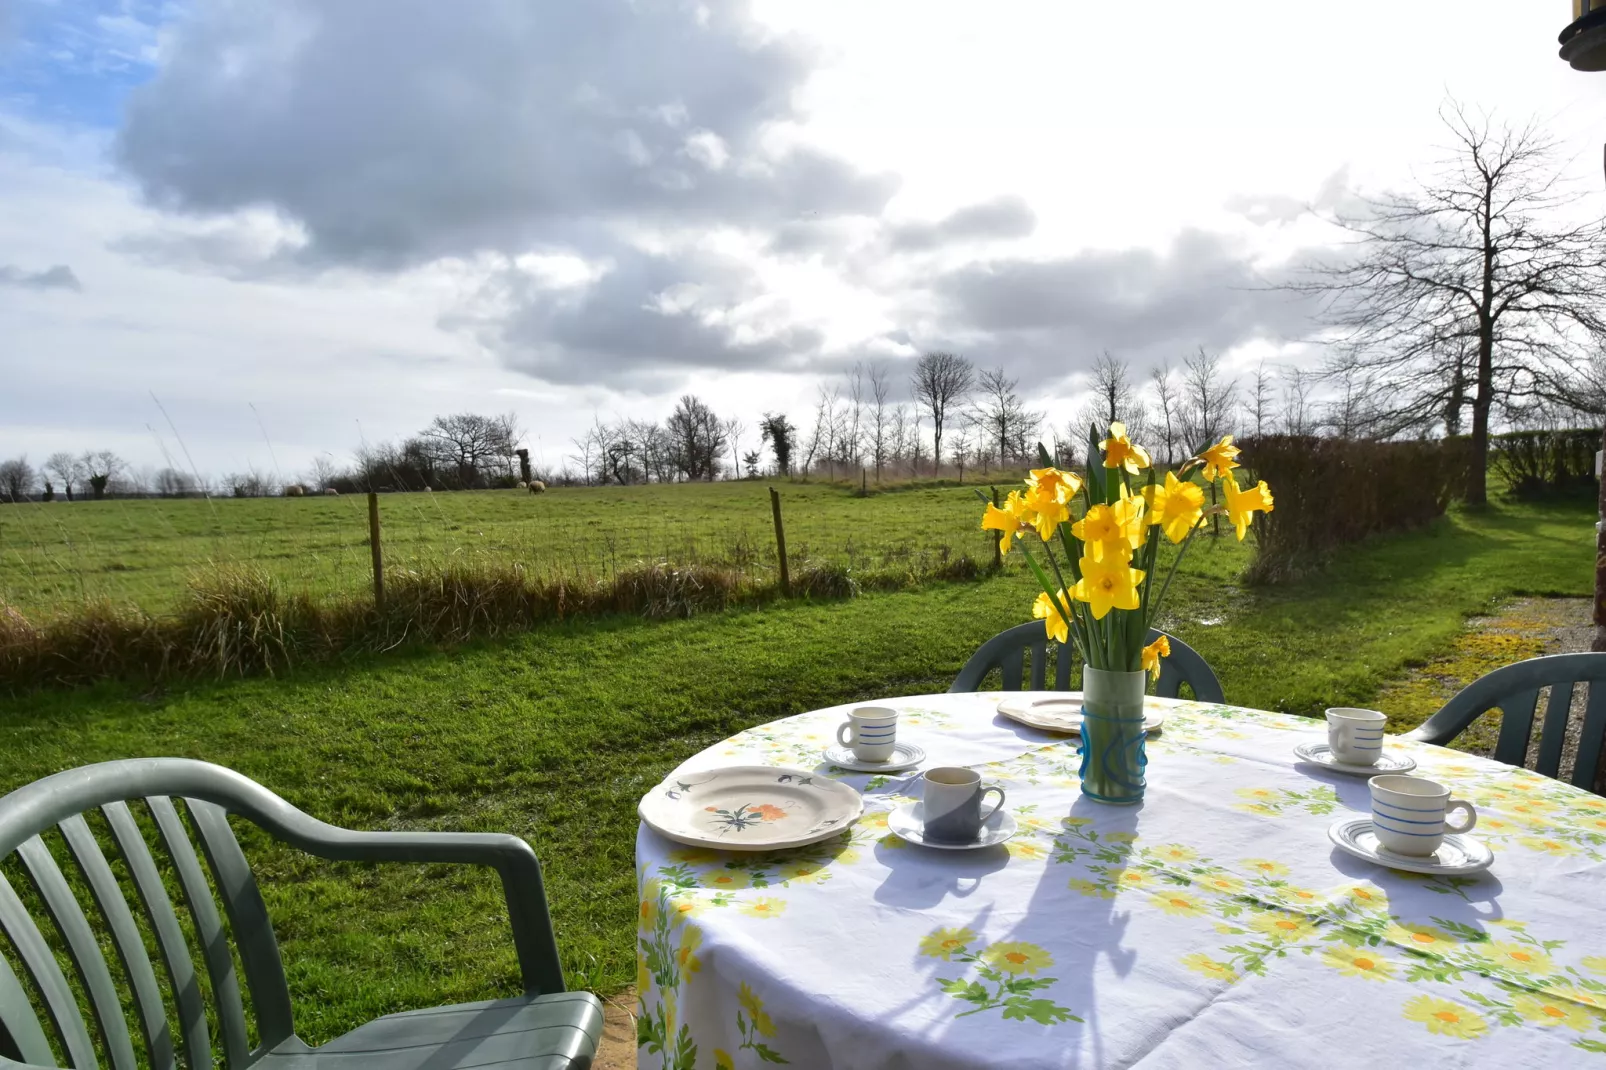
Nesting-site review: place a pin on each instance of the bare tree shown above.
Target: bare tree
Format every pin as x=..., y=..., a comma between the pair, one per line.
x=471, y=446
x=880, y=438
x=321, y=476
x=1208, y=400
x=1168, y=402
x=1477, y=254
x=65, y=469
x=1003, y=419
x=696, y=438
x=1297, y=386
x=173, y=483
x=961, y=447
x=734, y=430
x=17, y=479
x=99, y=466
x=940, y=382
x=1257, y=405
x=827, y=423
x=1113, y=398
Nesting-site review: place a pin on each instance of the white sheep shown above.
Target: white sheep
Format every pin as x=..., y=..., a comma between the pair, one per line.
x=429, y=490
x=523, y=485
x=331, y=492
x=537, y=487
x=294, y=490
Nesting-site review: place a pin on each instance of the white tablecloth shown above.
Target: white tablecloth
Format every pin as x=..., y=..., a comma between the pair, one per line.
x=1214, y=925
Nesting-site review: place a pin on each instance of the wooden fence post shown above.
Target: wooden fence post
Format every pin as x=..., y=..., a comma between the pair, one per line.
x=780, y=543
x=373, y=546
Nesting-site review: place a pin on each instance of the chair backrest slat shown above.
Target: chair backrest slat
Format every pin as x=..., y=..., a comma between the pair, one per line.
x=60, y=1002
x=1039, y=664
x=126, y=938
x=1591, y=738
x=248, y=917
x=21, y=1036
x=1009, y=668
x=83, y=948
x=1516, y=726
x=1557, y=712
x=169, y=937
x=208, y=927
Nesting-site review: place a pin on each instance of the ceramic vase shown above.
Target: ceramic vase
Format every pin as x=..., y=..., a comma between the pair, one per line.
x=1113, y=757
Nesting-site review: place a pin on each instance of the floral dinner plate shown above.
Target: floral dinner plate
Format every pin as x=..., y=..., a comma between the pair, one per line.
x=750, y=807
x=1061, y=711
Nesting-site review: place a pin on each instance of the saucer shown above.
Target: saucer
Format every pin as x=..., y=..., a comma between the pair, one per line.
x=1317, y=753
x=904, y=756
x=1456, y=855
x=1061, y=711
x=908, y=822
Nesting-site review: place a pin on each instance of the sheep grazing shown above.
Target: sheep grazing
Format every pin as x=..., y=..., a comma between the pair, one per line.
x=331, y=492
x=429, y=490
x=294, y=490
x=537, y=487
x=523, y=485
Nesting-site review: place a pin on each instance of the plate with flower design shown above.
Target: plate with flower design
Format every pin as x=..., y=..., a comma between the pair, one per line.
x=750, y=807
x=1061, y=711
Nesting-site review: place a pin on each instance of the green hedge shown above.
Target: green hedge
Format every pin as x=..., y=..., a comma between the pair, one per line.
x=1533, y=463
x=1332, y=491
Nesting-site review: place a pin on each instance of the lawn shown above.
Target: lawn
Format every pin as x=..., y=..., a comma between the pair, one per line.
x=555, y=734
x=54, y=555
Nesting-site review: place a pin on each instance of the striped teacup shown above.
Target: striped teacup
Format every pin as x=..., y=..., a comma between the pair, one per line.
x=1408, y=814
x=872, y=732
x=1355, y=736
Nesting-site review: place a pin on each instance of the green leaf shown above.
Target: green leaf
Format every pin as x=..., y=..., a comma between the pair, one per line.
x=1044, y=1011
x=1589, y=1044
x=768, y=1054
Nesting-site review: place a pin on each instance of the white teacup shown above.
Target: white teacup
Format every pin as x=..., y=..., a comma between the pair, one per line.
x=1355, y=736
x=952, y=804
x=1408, y=813
x=872, y=732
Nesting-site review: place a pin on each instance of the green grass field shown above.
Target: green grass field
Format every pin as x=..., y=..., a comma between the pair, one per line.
x=556, y=733
x=57, y=555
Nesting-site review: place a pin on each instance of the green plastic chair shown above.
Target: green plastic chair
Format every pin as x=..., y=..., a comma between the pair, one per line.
x=1514, y=689
x=1007, y=652
x=547, y=1028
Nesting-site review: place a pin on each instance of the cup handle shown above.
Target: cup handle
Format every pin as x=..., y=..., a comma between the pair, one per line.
x=847, y=739
x=996, y=805
x=1466, y=808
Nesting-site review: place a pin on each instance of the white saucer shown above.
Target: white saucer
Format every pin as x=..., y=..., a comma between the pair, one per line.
x=1061, y=711
x=1456, y=855
x=908, y=822
x=1318, y=753
x=904, y=756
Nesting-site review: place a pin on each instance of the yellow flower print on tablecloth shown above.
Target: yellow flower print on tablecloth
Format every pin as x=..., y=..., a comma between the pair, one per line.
x=806, y=872
x=1221, y=882
x=722, y=1060
x=1594, y=963
x=1547, y=845
x=1281, y=926
x=1256, y=794
x=754, y=1008
x=1026, y=850
x=1088, y=888
x=727, y=880
x=1358, y=962
x=1366, y=897
x=1445, y=1018
x=764, y=907
x=1178, y=904
x=1419, y=937
x=1174, y=852
x=694, y=856
x=1265, y=867
x=690, y=941
x=1131, y=878
x=1209, y=967
x=755, y=1025
x=1017, y=957
x=943, y=943
x=1523, y=958
x=1544, y=1010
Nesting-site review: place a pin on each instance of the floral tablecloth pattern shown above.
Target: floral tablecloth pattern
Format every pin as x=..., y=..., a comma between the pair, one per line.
x=1212, y=925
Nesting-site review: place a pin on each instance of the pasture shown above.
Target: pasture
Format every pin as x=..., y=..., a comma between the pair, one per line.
x=555, y=733
x=57, y=555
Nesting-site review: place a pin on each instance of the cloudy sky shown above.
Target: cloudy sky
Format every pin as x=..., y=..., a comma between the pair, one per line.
x=299, y=225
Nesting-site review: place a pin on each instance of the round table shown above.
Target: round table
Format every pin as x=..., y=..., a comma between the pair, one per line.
x=1213, y=925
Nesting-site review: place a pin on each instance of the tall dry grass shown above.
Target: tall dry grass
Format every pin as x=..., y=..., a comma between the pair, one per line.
x=236, y=621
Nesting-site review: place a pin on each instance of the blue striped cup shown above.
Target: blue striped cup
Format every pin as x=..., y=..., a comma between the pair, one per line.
x=1355, y=736
x=1409, y=812
x=872, y=732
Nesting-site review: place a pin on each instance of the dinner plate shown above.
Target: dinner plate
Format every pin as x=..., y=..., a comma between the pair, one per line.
x=750, y=807
x=1319, y=753
x=904, y=756
x=1061, y=711
x=908, y=822
x=1458, y=854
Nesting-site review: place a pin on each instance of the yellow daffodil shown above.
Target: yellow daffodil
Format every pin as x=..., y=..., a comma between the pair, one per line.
x=1119, y=451
x=1112, y=530
x=1008, y=521
x=1242, y=503
x=1160, y=648
x=1106, y=585
x=1176, y=506
x=1062, y=486
x=1219, y=459
x=1047, y=511
x=1045, y=609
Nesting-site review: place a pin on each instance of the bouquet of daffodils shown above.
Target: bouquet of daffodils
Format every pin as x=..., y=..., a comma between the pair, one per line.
x=1102, y=595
